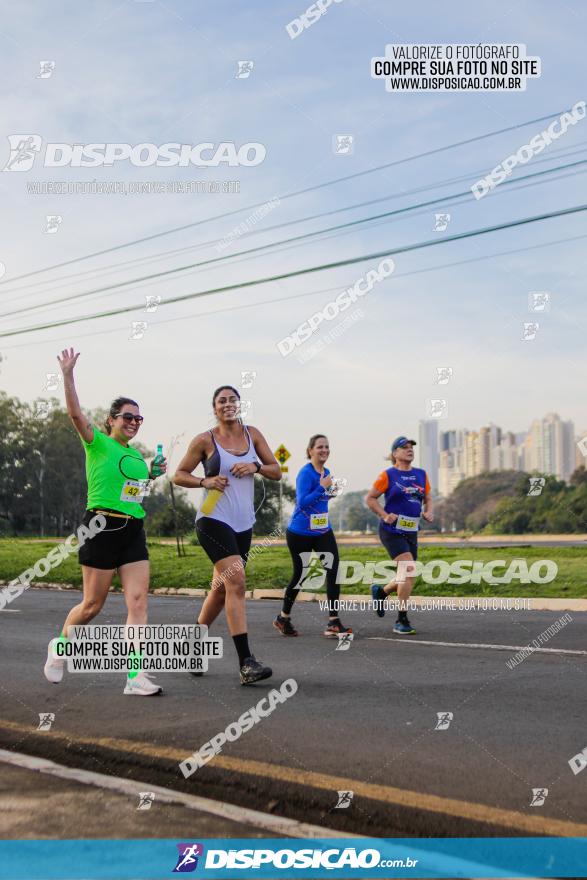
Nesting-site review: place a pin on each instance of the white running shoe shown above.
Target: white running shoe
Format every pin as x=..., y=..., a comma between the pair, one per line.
x=55, y=665
x=142, y=686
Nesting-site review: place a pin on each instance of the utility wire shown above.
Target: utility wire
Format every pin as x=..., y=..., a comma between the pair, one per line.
x=349, y=224
x=298, y=272
x=99, y=271
x=324, y=238
x=294, y=194
x=295, y=296
x=289, y=247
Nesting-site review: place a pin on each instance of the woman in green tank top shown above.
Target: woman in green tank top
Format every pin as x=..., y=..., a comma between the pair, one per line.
x=118, y=479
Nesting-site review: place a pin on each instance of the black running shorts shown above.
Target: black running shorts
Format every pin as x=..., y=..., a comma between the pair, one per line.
x=120, y=542
x=219, y=540
x=395, y=544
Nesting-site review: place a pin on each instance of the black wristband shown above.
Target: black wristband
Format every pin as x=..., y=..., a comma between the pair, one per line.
x=258, y=465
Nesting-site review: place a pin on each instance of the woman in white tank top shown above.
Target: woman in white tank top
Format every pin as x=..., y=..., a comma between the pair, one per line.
x=231, y=454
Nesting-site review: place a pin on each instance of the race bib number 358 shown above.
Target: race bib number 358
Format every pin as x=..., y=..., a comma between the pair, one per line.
x=319, y=521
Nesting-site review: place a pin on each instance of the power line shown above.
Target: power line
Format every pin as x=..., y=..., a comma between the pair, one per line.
x=289, y=247
x=296, y=296
x=349, y=224
x=292, y=194
x=105, y=270
x=298, y=272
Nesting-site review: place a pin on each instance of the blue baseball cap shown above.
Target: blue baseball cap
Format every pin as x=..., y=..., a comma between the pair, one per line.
x=401, y=441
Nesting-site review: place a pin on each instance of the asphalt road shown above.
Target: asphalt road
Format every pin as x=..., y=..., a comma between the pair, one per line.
x=363, y=719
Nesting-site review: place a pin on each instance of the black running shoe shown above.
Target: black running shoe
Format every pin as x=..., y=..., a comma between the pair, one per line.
x=336, y=629
x=252, y=671
x=285, y=626
x=379, y=598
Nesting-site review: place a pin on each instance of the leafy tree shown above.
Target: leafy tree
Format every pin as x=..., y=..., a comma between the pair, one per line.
x=43, y=488
x=349, y=513
x=473, y=492
x=55, y=467
x=579, y=477
x=13, y=451
x=557, y=509
x=266, y=501
x=159, y=509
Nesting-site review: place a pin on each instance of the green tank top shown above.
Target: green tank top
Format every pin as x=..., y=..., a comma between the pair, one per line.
x=114, y=474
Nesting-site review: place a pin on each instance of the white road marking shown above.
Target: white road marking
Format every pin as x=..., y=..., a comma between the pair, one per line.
x=408, y=640
x=277, y=825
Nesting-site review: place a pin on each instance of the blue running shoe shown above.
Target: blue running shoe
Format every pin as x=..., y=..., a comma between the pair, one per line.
x=378, y=599
x=404, y=628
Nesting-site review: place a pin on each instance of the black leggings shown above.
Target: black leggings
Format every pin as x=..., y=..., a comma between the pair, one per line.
x=325, y=543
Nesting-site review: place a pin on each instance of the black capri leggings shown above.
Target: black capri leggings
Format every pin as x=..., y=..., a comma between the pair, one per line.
x=325, y=543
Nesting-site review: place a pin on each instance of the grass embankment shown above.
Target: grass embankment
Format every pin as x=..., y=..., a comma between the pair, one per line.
x=271, y=568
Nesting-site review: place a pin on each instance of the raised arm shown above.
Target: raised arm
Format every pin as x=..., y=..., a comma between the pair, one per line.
x=82, y=424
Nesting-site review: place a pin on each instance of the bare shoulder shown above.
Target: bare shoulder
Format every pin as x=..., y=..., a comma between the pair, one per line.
x=201, y=439
x=201, y=443
x=255, y=433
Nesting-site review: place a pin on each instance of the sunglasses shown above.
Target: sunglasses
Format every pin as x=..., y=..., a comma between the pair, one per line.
x=129, y=417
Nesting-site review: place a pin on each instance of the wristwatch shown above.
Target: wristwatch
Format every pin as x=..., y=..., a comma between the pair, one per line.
x=258, y=465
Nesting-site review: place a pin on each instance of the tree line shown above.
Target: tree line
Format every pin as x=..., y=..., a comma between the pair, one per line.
x=43, y=489
x=496, y=502
x=510, y=502
x=43, y=485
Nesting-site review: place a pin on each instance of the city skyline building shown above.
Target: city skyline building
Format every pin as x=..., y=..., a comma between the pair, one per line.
x=550, y=446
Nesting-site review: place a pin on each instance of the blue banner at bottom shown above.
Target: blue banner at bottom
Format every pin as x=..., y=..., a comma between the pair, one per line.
x=385, y=858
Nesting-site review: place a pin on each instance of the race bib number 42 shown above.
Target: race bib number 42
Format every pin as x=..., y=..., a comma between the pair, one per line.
x=407, y=523
x=319, y=521
x=134, y=491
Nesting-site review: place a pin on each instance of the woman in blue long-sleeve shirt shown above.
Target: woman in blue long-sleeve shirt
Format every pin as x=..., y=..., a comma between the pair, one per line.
x=309, y=530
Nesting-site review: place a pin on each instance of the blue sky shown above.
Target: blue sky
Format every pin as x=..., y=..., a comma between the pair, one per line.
x=165, y=71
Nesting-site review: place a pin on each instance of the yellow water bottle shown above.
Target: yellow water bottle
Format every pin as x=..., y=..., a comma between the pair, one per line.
x=210, y=501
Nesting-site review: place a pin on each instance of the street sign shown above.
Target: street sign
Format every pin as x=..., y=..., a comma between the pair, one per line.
x=282, y=454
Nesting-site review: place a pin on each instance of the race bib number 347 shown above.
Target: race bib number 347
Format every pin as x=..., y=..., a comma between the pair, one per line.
x=407, y=523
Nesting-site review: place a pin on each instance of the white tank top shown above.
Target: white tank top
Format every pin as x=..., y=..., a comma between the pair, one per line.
x=235, y=506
